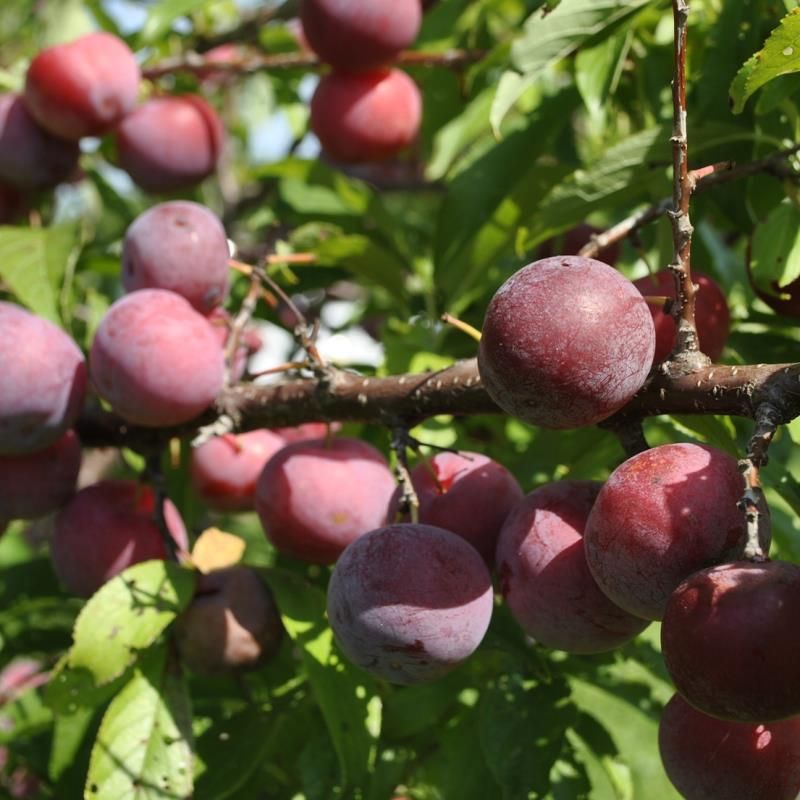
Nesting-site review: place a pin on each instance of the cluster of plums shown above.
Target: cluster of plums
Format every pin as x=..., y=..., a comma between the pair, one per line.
x=363, y=110
x=90, y=87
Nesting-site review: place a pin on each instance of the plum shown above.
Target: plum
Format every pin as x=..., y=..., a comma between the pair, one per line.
x=713, y=318
x=225, y=469
x=572, y=241
x=409, y=602
x=367, y=116
x=467, y=493
x=232, y=623
x=30, y=157
x=84, y=87
x=155, y=359
x=728, y=641
x=355, y=37
x=662, y=515
x=315, y=497
x=567, y=341
x=43, y=385
x=35, y=484
x=544, y=576
x=713, y=759
x=180, y=246
x=106, y=528
x=170, y=143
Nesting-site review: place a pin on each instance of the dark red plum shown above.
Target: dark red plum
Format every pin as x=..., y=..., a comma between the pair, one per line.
x=180, y=246
x=567, y=341
x=43, y=384
x=315, y=497
x=713, y=759
x=662, y=515
x=84, y=87
x=231, y=625
x=409, y=602
x=728, y=641
x=106, y=528
x=545, y=579
x=368, y=116
x=466, y=493
x=225, y=469
x=354, y=37
x=155, y=359
x=35, y=484
x=712, y=316
x=170, y=143
x=31, y=158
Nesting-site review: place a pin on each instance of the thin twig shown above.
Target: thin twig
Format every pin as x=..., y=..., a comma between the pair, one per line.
x=775, y=165
x=240, y=322
x=155, y=476
x=409, y=501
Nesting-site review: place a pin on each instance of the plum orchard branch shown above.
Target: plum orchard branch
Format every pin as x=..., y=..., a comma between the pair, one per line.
x=409, y=399
x=259, y=62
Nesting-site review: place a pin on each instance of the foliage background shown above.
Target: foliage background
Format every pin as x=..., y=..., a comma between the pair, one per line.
x=566, y=119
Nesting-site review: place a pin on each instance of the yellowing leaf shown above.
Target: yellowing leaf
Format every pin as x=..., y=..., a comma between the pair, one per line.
x=215, y=549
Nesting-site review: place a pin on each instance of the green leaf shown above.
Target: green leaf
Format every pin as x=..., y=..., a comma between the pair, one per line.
x=73, y=688
x=232, y=749
x=364, y=258
x=597, y=70
x=143, y=749
x=479, y=215
x=779, y=56
x=33, y=261
x=548, y=38
x=127, y=615
x=775, y=252
x=346, y=696
x=69, y=733
x=163, y=14
x=634, y=733
x=522, y=732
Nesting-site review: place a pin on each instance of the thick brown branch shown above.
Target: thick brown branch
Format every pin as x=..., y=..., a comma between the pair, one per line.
x=408, y=399
x=258, y=62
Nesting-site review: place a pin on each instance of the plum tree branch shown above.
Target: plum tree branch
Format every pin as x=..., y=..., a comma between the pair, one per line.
x=409, y=399
x=255, y=61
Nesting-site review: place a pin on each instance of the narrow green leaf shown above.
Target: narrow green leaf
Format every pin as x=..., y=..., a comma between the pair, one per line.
x=548, y=38
x=597, y=69
x=143, y=750
x=779, y=56
x=69, y=733
x=347, y=696
x=127, y=615
x=32, y=263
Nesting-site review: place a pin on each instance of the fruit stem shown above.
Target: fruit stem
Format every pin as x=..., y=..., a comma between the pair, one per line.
x=409, y=501
x=464, y=327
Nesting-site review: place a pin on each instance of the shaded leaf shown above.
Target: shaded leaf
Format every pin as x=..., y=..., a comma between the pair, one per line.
x=127, y=615
x=143, y=749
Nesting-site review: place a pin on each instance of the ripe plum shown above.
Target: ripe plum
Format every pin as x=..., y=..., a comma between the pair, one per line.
x=662, y=515
x=83, y=87
x=104, y=529
x=466, y=493
x=367, y=116
x=566, y=342
x=43, y=385
x=315, y=497
x=409, y=602
x=544, y=576
x=180, y=246
x=155, y=359
x=170, y=143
